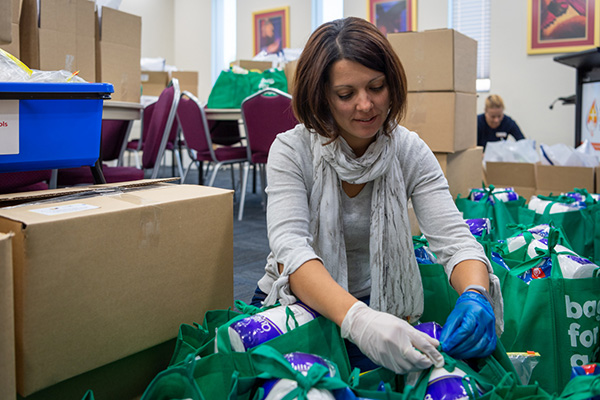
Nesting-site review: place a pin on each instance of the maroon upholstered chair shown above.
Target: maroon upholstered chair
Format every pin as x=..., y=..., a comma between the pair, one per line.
x=162, y=132
x=25, y=181
x=198, y=140
x=265, y=114
x=114, y=133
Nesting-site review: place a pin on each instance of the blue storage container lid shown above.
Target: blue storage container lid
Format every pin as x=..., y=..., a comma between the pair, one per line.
x=54, y=90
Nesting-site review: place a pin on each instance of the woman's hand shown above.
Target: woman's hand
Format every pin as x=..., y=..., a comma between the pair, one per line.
x=390, y=341
x=470, y=328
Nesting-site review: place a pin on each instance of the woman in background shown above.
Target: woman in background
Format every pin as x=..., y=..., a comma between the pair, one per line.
x=493, y=125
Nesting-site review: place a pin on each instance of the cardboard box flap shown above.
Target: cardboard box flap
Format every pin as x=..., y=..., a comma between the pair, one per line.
x=556, y=179
x=510, y=174
x=120, y=27
x=19, y=198
x=101, y=200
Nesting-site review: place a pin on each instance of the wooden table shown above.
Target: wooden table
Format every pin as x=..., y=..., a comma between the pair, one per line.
x=223, y=114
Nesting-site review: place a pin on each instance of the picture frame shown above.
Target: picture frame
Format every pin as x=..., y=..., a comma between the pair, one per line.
x=562, y=27
x=392, y=16
x=271, y=30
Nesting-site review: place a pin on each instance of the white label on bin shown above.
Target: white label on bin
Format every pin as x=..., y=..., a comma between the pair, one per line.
x=67, y=208
x=9, y=126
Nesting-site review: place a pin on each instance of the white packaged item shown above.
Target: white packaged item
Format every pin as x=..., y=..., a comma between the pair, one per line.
x=278, y=388
x=571, y=265
x=500, y=194
x=514, y=243
x=540, y=206
x=251, y=331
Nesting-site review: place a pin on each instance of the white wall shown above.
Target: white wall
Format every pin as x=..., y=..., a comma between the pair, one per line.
x=179, y=30
x=528, y=83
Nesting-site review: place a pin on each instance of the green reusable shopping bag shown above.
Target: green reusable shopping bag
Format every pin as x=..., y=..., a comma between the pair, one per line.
x=231, y=88
x=517, y=255
x=199, y=339
x=554, y=316
x=320, y=337
x=439, y=296
x=501, y=214
x=235, y=376
x=578, y=226
x=582, y=387
x=481, y=378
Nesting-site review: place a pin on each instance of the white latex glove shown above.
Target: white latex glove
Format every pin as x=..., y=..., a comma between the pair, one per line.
x=390, y=341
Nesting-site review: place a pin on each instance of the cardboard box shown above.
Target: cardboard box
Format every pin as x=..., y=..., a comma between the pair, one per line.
x=188, y=80
x=8, y=381
x=5, y=22
x=154, y=82
x=415, y=229
x=437, y=60
x=124, y=379
x=113, y=270
x=519, y=176
x=59, y=35
x=253, y=65
x=290, y=73
x=118, y=52
x=558, y=179
x=446, y=121
x=463, y=170
x=13, y=45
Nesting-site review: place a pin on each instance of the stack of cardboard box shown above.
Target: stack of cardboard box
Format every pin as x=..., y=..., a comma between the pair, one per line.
x=154, y=82
x=441, y=74
x=52, y=35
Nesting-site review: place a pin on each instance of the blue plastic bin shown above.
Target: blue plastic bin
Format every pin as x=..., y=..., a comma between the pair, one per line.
x=59, y=124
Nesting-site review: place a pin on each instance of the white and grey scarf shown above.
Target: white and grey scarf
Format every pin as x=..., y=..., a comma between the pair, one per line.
x=396, y=285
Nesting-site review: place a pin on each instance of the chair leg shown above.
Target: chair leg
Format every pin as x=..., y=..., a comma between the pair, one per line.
x=253, y=178
x=214, y=174
x=200, y=172
x=263, y=185
x=243, y=190
x=185, y=174
x=179, y=166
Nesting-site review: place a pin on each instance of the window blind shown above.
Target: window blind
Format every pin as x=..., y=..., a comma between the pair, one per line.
x=472, y=18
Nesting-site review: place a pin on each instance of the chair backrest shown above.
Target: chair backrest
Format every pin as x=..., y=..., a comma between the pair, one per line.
x=114, y=133
x=161, y=126
x=266, y=114
x=192, y=120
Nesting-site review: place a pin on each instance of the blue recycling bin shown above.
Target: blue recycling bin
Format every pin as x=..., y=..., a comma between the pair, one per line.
x=50, y=125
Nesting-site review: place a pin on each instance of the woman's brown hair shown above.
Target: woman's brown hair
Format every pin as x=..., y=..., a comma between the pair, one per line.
x=353, y=39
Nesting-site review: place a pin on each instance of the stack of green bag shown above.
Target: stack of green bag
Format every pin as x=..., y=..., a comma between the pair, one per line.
x=555, y=316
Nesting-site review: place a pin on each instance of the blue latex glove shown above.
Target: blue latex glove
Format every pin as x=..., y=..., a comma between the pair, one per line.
x=470, y=328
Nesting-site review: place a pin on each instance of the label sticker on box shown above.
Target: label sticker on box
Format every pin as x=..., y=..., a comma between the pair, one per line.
x=65, y=209
x=9, y=127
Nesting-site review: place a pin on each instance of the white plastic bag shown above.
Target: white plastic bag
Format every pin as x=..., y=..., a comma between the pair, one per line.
x=523, y=150
x=566, y=156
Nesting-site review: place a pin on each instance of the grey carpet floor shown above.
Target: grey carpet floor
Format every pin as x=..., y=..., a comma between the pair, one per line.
x=250, y=244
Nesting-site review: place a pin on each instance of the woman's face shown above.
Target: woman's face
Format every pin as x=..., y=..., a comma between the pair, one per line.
x=359, y=101
x=493, y=116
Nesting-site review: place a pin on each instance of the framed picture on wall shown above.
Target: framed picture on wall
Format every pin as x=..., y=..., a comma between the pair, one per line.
x=392, y=16
x=561, y=26
x=271, y=30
